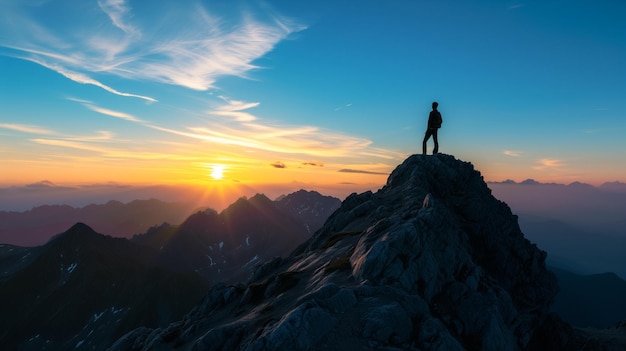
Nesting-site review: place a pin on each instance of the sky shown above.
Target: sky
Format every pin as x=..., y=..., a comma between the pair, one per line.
x=248, y=96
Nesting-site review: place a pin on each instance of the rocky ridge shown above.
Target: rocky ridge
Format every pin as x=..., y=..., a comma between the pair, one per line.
x=432, y=261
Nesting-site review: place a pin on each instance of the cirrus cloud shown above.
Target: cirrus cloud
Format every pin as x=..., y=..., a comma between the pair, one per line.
x=348, y=170
x=140, y=45
x=548, y=163
x=512, y=153
x=26, y=128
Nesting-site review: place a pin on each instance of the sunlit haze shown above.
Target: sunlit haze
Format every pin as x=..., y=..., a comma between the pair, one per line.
x=232, y=98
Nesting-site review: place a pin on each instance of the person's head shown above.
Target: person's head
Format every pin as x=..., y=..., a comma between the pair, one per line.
x=435, y=104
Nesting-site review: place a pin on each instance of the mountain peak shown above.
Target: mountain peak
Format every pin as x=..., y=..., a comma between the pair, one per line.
x=445, y=203
x=431, y=261
x=79, y=232
x=530, y=182
x=439, y=174
x=80, y=227
x=243, y=203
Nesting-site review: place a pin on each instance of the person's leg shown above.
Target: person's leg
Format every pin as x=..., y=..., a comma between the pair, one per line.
x=426, y=136
x=436, y=149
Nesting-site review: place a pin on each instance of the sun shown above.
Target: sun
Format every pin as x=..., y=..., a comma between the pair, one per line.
x=218, y=172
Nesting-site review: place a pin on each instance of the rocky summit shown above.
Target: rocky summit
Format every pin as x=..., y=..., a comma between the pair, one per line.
x=431, y=261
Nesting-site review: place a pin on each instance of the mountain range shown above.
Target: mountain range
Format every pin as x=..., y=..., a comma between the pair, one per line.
x=225, y=246
x=432, y=261
x=582, y=227
x=587, y=207
x=83, y=290
x=571, y=248
x=37, y=225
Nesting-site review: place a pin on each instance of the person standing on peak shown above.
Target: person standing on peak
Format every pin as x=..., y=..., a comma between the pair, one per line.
x=434, y=123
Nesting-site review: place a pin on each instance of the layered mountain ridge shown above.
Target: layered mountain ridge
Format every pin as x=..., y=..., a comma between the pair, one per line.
x=83, y=290
x=432, y=261
x=38, y=225
x=225, y=246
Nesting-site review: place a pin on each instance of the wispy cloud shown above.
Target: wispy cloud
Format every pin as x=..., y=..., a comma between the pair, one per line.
x=112, y=113
x=235, y=109
x=197, y=58
x=548, y=163
x=247, y=134
x=249, y=131
x=61, y=140
x=347, y=170
x=100, y=136
x=342, y=107
x=68, y=144
x=81, y=101
x=288, y=140
x=26, y=128
x=110, y=152
x=85, y=79
x=512, y=153
x=117, y=11
x=131, y=45
x=146, y=46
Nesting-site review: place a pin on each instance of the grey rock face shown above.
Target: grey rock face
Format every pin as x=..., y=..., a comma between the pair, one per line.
x=432, y=261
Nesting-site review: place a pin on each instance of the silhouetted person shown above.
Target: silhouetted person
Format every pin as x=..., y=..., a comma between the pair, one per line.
x=434, y=123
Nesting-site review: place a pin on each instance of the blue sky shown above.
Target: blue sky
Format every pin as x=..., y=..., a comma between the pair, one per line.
x=309, y=93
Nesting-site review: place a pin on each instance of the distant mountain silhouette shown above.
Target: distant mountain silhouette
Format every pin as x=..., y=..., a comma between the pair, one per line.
x=432, y=261
x=38, y=225
x=596, y=300
x=576, y=250
x=583, y=206
x=226, y=246
x=582, y=227
x=309, y=207
x=614, y=186
x=82, y=289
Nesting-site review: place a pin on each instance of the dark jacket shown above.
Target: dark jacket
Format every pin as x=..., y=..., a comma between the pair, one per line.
x=434, y=119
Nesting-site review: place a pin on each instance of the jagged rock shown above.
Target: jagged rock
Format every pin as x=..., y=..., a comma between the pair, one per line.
x=432, y=261
x=332, y=298
x=298, y=330
x=389, y=324
x=433, y=335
